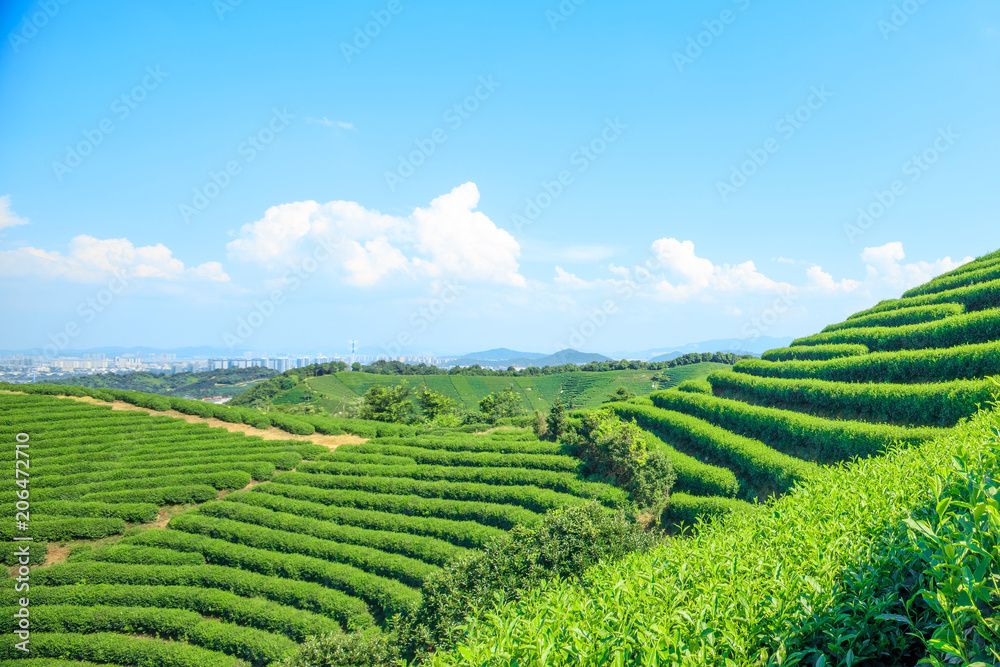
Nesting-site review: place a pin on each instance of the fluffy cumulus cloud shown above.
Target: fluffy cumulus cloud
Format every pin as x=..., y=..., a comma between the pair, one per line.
x=89, y=259
x=447, y=239
x=7, y=216
x=686, y=275
x=885, y=264
x=823, y=282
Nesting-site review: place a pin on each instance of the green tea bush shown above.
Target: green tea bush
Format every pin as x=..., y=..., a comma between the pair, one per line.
x=964, y=362
x=497, y=515
x=765, y=470
x=426, y=549
x=687, y=510
x=295, y=624
x=938, y=404
x=814, y=352
x=469, y=534
x=117, y=649
x=386, y=596
x=976, y=327
x=903, y=316
x=695, y=387
x=349, y=611
x=795, y=433
x=528, y=497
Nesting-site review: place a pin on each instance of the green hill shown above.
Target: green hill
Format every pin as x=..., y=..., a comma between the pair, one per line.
x=580, y=389
x=850, y=479
x=864, y=563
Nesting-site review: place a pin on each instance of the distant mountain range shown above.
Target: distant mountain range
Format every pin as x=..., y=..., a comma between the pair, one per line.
x=755, y=346
x=503, y=357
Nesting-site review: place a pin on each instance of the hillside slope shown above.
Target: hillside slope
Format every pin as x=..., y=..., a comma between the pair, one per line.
x=821, y=573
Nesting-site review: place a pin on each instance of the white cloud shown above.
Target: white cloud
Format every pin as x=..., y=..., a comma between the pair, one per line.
x=884, y=264
x=7, y=216
x=92, y=260
x=823, y=282
x=695, y=276
x=331, y=123
x=570, y=281
x=449, y=238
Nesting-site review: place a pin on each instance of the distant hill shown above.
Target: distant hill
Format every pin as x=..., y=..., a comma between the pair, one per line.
x=502, y=358
x=202, y=384
x=500, y=354
x=756, y=346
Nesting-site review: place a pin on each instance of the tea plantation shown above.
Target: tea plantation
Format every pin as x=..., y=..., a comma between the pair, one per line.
x=848, y=483
x=861, y=559
x=285, y=539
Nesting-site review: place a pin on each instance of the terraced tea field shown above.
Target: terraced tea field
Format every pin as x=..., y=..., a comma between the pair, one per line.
x=279, y=540
x=907, y=373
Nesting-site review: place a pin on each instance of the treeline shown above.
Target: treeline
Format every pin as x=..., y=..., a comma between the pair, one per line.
x=201, y=384
x=399, y=368
x=261, y=394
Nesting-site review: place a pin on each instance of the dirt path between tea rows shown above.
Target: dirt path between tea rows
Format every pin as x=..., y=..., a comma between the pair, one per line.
x=272, y=433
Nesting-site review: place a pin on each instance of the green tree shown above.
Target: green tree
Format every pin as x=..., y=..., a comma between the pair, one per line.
x=501, y=404
x=616, y=450
x=555, y=424
x=356, y=366
x=620, y=396
x=387, y=403
x=435, y=404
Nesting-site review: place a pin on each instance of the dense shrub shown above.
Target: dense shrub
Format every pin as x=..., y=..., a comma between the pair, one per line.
x=814, y=352
x=295, y=624
x=795, y=433
x=349, y=611
x=617, y=450
x=938, y=404
x=563, y=546
x=893, y=318
x=470, y=534
x=932, y=365
x=498, y=515
x=695, y=387
x=765, y=470
x=687, y=510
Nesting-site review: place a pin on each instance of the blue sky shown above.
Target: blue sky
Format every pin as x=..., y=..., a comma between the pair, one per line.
x=609, y=176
